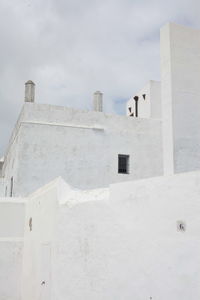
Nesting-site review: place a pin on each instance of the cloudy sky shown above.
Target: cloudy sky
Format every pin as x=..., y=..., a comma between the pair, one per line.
x=71, y=48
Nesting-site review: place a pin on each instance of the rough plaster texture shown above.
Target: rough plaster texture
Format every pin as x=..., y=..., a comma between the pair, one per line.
x=82, y=147
x=150, y=106
x=42, y=209
x=10, y=269
x=94, y=234
x=180, y=66
x=134, y=232
x=12, y=215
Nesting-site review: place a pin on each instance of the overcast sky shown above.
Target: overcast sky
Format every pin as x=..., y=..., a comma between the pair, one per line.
x=71, y=48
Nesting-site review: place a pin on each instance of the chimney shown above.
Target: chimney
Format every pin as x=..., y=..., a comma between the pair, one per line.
x=98, y=101
x=29, y=91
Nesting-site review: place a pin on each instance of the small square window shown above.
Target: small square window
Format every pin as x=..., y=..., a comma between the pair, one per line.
x=123, y=164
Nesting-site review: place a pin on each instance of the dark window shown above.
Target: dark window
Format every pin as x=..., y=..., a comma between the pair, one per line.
x=123, y=164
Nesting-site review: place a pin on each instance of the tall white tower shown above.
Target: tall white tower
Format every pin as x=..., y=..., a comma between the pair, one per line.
x=180, y=70
x=98, y=101
x=29, y=91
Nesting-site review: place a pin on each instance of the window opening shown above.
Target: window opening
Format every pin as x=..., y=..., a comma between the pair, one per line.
x=123, y=164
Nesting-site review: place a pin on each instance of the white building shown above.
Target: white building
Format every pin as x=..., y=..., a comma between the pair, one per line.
x=97, y=232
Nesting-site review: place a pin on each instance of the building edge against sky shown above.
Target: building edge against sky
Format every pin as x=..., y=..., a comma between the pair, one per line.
x=122, y=240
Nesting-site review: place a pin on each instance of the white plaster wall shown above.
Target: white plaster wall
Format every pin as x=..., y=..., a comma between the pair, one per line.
x=40, y=247
x=2, y=191
x=181, y=94
x=10, y=269
x=37, y=258
x=1, y=167
x=10, y=166
x=12, y=213
x=82, y=147
x=150, y=107
x=155, y=98
x=128, y=247
x=166, y=96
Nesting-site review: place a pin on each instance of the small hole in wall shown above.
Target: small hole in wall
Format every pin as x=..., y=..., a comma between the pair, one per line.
x=30, y=224
x=144, y=96
x=181, y=226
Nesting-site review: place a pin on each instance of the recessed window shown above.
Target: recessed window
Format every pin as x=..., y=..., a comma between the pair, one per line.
x=123, y=164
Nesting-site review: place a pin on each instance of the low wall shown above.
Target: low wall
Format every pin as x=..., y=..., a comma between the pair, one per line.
x=12, y=215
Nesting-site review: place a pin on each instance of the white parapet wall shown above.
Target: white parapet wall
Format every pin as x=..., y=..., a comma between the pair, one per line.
x=131, y=246
x=138, y=241
x=41, y=213
x=12, y=217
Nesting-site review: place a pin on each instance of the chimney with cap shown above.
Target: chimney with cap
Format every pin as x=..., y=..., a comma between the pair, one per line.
x=98, y=101
x=29, y=91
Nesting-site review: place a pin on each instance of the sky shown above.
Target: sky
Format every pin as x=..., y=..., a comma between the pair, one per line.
x=71, y=48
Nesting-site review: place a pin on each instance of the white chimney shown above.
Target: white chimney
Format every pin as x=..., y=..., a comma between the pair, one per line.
x=98, y=101
x=29, y=91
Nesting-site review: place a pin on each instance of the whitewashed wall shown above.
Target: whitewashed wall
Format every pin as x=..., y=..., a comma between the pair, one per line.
x=180, y=66
x=2, y=190
x=89, y=245
x=37, y=259
x=12, y=213
x=82, y=147
x=128, y=247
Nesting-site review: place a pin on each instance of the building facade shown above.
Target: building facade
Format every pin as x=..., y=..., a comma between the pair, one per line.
x=121, y=219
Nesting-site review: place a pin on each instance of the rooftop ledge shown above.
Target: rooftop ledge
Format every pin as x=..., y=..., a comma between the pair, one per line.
x=95, y=127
